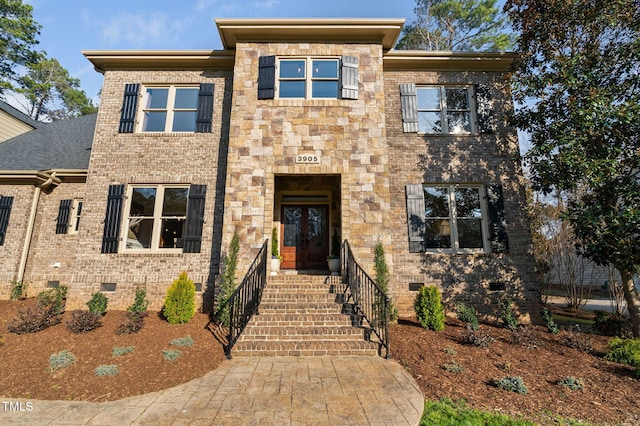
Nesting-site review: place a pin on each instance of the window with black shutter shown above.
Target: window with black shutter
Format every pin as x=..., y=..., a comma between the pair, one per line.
x=484, y=105
x=195, y=219
x=205, y=108
x=129, y=108
x=497, y=221
x=5, y=212
x=266, y=77
x=113, y=215
x=62, y=223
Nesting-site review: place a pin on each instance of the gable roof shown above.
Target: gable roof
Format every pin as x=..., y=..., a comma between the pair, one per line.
x=64, y=144
x=19, y=115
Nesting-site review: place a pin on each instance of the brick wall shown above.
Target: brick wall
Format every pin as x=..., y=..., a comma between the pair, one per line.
x=11, y=250
x=153, y=158
x=481, y=159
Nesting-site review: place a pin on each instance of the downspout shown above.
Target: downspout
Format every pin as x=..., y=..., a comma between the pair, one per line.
x=30, y=225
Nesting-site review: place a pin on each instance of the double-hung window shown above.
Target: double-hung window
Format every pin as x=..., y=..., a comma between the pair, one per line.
x=309, y=78
x=156, y=216
x=445, y=109
x=455, y=218
x=169, y=109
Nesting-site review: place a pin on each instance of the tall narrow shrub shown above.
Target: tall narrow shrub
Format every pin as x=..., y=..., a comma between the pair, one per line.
x=429, y=309
x=180, y=301
x=382, y=279
x=228, y=281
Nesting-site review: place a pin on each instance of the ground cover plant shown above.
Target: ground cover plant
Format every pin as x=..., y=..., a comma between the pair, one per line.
x=609, y=392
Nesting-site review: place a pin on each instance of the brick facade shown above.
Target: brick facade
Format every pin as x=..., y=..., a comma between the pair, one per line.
x=248, y=163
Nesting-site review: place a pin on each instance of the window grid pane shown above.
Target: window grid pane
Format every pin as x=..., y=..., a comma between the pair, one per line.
x=453, y=218
x=156, y=217
x=309, y=78
x=444, y=110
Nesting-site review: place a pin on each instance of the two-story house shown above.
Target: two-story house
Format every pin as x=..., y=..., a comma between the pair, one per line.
x=314, y=127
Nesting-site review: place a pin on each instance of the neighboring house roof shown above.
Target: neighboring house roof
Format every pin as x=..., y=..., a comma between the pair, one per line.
x=14, y=122
x=64, y=144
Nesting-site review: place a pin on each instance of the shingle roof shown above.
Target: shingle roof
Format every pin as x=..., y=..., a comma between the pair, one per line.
x=19, y=115
x=64, y=144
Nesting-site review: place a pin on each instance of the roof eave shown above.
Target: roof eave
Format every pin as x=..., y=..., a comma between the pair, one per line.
x=160, y=59
x=345, y=30
x=42, y=178
x=414, y=60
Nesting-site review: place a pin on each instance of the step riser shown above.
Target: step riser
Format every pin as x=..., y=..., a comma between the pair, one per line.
x=304, y=315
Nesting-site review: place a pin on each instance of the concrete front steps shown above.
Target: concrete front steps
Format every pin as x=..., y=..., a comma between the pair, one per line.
x=304, y=315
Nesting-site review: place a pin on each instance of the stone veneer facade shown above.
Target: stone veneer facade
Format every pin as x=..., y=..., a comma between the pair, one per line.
x=248, y=164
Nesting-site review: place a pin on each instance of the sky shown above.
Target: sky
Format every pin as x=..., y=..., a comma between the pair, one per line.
x=70, y=26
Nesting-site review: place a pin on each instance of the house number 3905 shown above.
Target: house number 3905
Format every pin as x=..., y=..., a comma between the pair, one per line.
x=307, y=159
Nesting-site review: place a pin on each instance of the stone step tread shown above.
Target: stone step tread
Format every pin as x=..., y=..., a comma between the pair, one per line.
x=300, y=298
x=326, y=347
x=300, y=317
x=305, y=330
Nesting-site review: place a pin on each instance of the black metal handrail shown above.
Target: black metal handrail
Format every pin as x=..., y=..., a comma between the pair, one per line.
x=369, y=300
x=244, y=301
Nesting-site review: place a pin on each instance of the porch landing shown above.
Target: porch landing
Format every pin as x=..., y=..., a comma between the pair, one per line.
x=258, y=391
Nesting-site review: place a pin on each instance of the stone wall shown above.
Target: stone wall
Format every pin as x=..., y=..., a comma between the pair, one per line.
x=480, y=159
x=348, y=135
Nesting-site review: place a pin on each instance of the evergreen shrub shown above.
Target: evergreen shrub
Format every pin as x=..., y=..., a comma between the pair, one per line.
x=98, y=303
x=180, y=301
x=429, y=309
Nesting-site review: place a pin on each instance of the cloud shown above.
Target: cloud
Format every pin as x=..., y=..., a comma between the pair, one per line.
x=142, y=30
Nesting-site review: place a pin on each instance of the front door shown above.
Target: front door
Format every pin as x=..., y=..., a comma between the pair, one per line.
x=305, y=237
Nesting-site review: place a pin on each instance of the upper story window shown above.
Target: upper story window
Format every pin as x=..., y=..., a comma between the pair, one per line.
x=447, y=109
x=308, y=78
x=156, y=217
x=444, y=109
x=167, y=108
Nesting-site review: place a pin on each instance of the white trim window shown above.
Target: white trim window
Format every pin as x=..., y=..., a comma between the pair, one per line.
x=309, y=78
x=445, y=109
x=169, y=109
x=76, y=214
x=455, y=218
x=156, y=216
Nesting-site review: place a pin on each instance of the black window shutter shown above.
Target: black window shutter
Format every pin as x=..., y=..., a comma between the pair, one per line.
x=5, y=211
x=409, y=105
x=111, y=233
x=484, y=107
x=129, y=107
x=349, y=74
x=205, y=108
x=497, y=221
x=63, y=217
x=415, y=218
x=195, y=219
x=266, y=77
